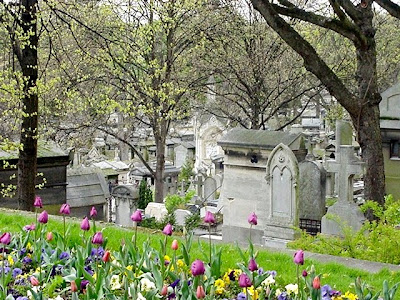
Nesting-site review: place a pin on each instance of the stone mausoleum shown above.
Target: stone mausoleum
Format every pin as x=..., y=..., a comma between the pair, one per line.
x=261, y=175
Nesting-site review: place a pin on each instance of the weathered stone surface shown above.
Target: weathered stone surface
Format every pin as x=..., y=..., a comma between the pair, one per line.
x=156, y=210
x=282, y=179
x=346, y=166
x=312, y=187
x=181, y=215
x=126, y=200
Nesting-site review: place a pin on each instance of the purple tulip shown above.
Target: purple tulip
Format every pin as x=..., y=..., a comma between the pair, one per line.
x=209, y=218
x=167, y=229
x=84, y=283
x=65, y=209
x=93, y=212
x=304, y=273
x=253, y=265
x=43, y=217
x=244, y=281
x=29, y=227
x=298, y=257
x=38, y=202
x=5, y=238
x=137, y=216
x=85, y=224
x=252, y=219
x=97, y=238
x=197, y=268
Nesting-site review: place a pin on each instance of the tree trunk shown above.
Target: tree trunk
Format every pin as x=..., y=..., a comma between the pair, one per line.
x=366, y=116
x=28, y=59
x=369, y=137
x=159, y=176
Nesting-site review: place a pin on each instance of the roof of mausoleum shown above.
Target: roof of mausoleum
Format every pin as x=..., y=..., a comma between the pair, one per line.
x=263, y=139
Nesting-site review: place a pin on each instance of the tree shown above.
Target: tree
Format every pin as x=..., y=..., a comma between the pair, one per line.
x=144, y=59
x=20, y=20
x=354, y=22
x=254, y=74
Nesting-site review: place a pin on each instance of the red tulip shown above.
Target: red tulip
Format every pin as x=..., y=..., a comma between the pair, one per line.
x=316, y=284
x=106, y=256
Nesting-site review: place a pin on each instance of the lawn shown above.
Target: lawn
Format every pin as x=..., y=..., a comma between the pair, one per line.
x=338, y=276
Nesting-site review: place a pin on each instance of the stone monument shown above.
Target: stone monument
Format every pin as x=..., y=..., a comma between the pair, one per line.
x=282, y=179
x=126, y=201
x=345, y=166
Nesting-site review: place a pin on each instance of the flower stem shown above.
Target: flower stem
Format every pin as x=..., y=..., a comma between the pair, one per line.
x=3, y=270
x=209, y=239
x=135, y=236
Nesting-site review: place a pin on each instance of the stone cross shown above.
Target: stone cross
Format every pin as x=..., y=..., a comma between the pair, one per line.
x=346, y=166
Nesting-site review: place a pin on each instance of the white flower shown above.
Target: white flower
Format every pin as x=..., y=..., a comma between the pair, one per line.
x=146, y=285
x=114, y=282
x=292, y=288
x=140, y=297
x=278, y=292
x=268, y=281
x=57, y=298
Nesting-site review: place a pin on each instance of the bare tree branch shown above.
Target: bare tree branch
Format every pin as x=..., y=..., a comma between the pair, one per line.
x=391, y=7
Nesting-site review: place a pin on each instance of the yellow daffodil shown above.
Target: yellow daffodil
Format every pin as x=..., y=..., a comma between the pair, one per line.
x=10, y=260
x=336, y=298
x=252, y=292
x=129, y=268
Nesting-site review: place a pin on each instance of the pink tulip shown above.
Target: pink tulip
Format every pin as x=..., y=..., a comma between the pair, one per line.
x=65, y=209
x=85, y=224
x=5, y=238
x=197, y=268
x=252, y=265
x=167, y=229
x=252, y=219
x=29, y=227
x=244, y=281
x=209, y=218
x=98, y=238
x=200, y=293
x=137, y=216
x=38, y=202
x=49, y=236
x=43, y=217
x=93, y=212
x=298, y=257
x=34, y=281
x=174, y=245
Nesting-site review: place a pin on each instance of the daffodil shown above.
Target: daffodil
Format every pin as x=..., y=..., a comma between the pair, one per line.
x=10, y=260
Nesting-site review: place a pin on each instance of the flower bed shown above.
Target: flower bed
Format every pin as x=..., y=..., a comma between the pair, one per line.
x=38, y=264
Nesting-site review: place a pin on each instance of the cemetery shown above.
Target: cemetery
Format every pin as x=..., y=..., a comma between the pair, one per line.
x=196, y=149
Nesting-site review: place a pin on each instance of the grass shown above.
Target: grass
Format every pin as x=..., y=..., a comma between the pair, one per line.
x=338, y=276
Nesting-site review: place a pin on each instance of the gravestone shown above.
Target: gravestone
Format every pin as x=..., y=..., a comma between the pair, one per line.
x=156, y=210
x=181, y=153
x=181, y=215
x=312, y=187
x=345, y=166
x=282, y=179
x=126, y=201
x=210, y=188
